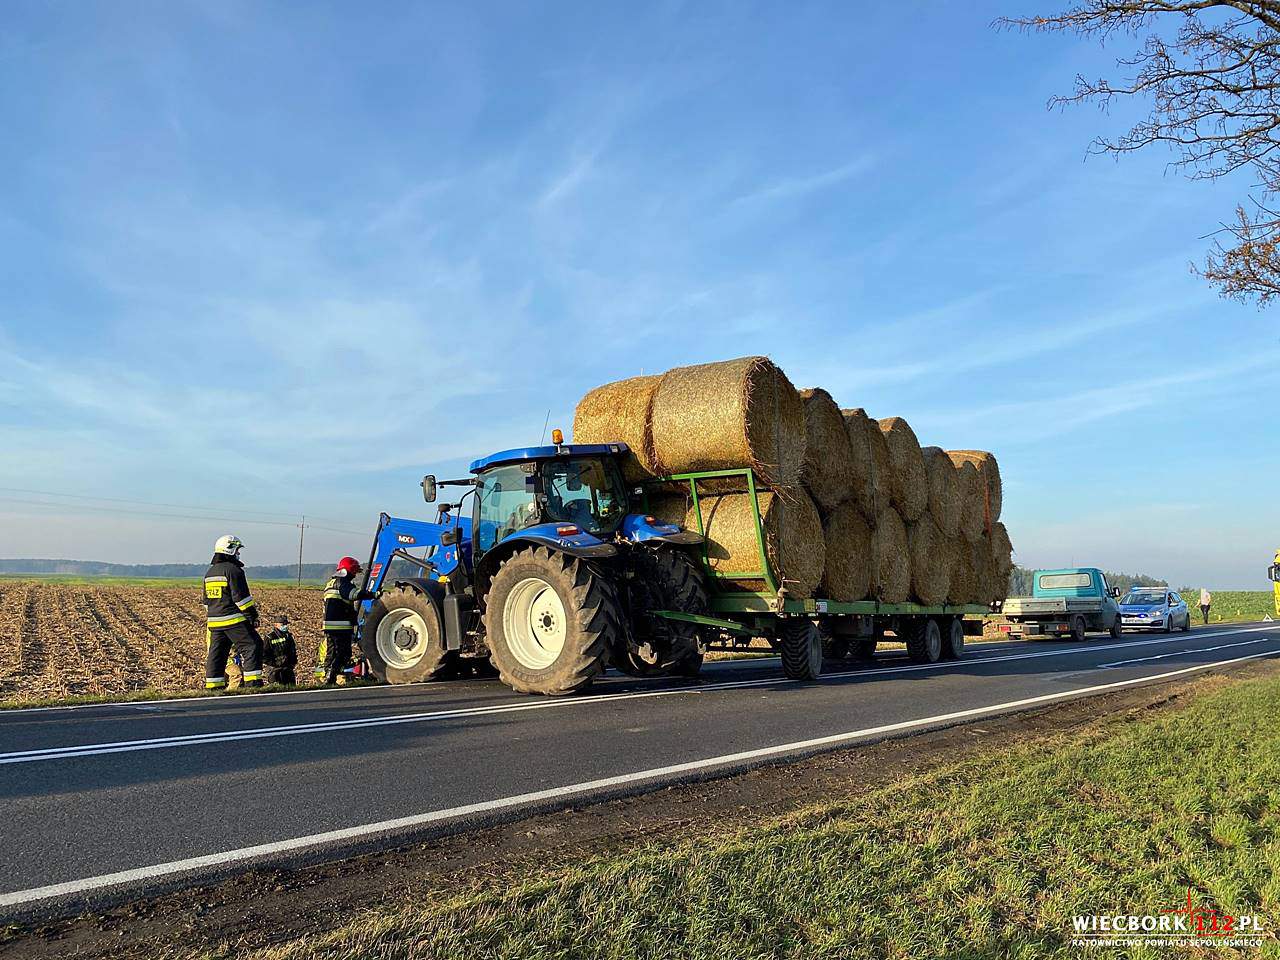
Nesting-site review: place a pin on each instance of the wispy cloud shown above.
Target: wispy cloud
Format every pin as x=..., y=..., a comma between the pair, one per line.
x=794, y=188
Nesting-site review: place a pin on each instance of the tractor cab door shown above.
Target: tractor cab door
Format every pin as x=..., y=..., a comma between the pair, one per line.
x=506, y=502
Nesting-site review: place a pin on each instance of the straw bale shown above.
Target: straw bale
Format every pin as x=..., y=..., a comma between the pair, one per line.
x=728, y=415
x=867, y=493
x=944, y=491
x=930, y=561
x=909, y=487
x=828, y=460
x=847, y=576
x=990, y=471
x=622, y=411
x=1002, y=559
x=794, y=541
x=890, y=558
x=963, y=587
x=972, y=500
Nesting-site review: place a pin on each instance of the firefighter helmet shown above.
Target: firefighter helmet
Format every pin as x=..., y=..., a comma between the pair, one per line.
x=230, y=545
x=348, y=566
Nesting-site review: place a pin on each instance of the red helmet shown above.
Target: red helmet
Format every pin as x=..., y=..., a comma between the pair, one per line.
x=349, y=565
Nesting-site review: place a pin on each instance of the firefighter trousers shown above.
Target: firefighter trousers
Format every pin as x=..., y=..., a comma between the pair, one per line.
x=246, y=642
x=337, y=653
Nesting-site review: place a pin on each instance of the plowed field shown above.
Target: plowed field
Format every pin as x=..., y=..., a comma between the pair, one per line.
x=68, y=639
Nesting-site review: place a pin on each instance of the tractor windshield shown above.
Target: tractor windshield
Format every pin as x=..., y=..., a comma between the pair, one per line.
x=587, y=491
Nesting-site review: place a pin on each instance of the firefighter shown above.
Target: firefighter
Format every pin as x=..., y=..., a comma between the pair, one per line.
x=280, y=653
x=341, y=595
x=232, y=617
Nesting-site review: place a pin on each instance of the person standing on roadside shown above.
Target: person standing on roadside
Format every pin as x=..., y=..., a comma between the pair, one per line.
x=232, y=618
x=1206, y=600
x=341, y=596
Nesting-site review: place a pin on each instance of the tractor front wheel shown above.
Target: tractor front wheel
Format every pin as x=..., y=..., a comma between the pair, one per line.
x=402, y=638
x=549, y=621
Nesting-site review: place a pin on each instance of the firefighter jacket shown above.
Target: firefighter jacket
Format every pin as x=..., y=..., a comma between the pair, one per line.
x=226, y=594
x=340, y=598
x=279, y=650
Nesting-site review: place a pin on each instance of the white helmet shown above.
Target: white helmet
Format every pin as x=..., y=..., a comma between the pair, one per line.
x=229, y=545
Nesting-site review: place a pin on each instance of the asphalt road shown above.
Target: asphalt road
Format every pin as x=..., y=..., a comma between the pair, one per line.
x=99, y=803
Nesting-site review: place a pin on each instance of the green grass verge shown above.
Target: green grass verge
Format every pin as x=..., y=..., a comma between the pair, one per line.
x=1233, y=605
x=986, y=857
x=142, y=696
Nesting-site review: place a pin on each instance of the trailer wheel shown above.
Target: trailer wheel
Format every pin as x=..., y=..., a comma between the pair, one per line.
x=402, y=638
x=923, y=639
x=801, y=647
x=1077, y=629
x=952, y=638
x=549, y=620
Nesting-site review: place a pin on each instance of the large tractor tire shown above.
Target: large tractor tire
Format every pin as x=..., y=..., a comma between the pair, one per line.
x=403, y=640
x=665, y=580
x=923, y=639
x=800, y=644
x=549, y=622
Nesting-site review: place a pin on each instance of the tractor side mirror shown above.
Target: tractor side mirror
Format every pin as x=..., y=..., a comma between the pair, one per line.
x=429, y=488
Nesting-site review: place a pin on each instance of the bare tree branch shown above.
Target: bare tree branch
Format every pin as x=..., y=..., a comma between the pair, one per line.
x=1211, y=71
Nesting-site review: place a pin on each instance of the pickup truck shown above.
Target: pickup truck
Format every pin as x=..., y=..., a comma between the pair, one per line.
x=1064, y=603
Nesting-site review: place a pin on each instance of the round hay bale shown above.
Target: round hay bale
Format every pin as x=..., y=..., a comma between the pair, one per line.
x=890, y=558
x=865, y=488
x=962, y=588
x=909, y=489
x=944, y=490
x=986, y=576
x=622, y=411
x=972, y=499
x=1001, y=558
x=670, y=508
x=990, y=471
x=828, y=460
x=794, y=541
x=729, y=415
x=847, y=575
x=930, y=561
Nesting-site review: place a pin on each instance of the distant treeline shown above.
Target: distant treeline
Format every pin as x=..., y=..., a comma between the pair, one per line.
x=95, y=568
x=1020, y=581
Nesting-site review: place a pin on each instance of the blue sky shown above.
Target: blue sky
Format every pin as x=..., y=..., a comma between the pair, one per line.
x=271, y=259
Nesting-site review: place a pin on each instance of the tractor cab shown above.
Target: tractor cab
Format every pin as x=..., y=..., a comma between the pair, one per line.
x=561, y=491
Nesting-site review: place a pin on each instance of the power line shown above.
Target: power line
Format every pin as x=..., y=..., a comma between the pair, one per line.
x=180, y=516
x=151, y=503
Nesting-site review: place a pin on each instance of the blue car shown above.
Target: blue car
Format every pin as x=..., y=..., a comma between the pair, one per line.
x=1154, y=608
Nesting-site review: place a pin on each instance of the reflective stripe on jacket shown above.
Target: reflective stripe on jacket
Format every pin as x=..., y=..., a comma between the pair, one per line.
x=340, y=597
x=226, y=594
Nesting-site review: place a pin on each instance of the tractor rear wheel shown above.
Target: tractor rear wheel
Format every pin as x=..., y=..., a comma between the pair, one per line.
x=549, y=622
x=800, y=644
x=402, y=638
x=680, y=583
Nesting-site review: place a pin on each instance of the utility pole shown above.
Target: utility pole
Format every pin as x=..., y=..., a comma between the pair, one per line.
x=302, y=532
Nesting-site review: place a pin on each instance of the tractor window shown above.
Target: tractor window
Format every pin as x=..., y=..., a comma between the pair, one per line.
x=505, y=504
x=588, y=492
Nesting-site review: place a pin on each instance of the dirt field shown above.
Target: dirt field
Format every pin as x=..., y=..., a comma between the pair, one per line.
x=70, y=639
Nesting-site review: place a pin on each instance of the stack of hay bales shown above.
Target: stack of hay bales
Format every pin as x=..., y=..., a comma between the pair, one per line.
x=852, y=507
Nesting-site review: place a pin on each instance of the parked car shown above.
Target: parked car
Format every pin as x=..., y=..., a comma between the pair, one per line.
x=1063, y=603
x=1154, y=608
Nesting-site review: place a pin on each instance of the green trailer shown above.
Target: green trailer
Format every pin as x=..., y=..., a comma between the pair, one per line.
x=804, y=631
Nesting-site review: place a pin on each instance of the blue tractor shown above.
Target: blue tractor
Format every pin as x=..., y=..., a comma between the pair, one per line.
x=554, y=575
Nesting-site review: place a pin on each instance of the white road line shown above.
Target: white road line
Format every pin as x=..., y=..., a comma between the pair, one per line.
x=289, y=730
x=90, y=884
x=18, y=712
x=1179, y=653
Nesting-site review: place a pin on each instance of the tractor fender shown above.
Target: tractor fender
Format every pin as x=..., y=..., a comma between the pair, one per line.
x=489, y=563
